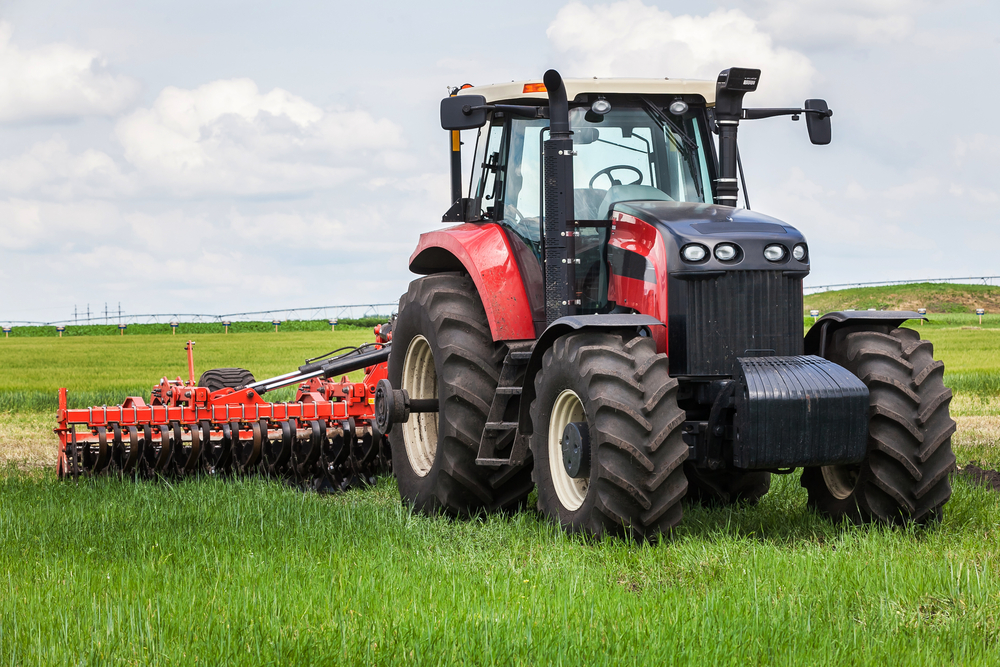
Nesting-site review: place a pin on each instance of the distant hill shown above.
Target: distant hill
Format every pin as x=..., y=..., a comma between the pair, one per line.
x=935, y=297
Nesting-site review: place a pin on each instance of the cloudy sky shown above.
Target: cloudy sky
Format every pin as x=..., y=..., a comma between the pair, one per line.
x=216, y=156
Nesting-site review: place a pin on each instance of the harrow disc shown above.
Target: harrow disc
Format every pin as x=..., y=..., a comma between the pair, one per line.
x=334, y=456
x=158, y=454
x=218, y=452
x=188, y=453
x=278, y=451
x=247, y=453
x=127, y=453
x=95, y=456
x=306, y=449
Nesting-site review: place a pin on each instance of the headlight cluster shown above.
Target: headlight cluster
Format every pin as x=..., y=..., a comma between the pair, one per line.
x=726, y=252
x=694, y=252
x=730, y=252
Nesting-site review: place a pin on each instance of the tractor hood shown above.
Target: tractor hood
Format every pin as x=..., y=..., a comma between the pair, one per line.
x=710, y=225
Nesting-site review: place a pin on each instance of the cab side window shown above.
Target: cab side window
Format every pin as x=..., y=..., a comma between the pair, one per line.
x=489, y=167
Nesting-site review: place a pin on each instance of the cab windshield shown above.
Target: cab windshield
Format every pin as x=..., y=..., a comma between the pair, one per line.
x=629, y=154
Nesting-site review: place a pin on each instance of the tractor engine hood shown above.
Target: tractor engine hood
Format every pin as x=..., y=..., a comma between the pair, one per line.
x=711, y=225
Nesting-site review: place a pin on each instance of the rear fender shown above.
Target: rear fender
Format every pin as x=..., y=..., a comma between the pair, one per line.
x=482, y=251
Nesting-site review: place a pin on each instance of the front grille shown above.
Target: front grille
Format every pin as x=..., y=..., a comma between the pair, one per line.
x=739, y=314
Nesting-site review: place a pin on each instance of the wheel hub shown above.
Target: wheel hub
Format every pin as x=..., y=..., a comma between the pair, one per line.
x=420, y=431
x=566, y=409
x=840, y=480
x=576, y=449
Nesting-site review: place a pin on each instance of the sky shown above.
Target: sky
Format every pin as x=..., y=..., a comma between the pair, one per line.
x=221, y=156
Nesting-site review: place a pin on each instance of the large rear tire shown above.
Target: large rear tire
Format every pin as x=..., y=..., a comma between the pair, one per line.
x=622, y=391
x=442, y=348
x=905, y=475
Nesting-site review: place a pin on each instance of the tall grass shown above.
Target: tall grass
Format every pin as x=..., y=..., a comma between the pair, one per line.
x=103, y=370
x=252, y=572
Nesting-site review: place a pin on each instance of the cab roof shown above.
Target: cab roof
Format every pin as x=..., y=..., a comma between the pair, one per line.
x=574, y=87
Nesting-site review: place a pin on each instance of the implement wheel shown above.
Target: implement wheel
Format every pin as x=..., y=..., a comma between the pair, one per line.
x=905, y=475
x=220, y=378
x=614, y=402
x=442, y=348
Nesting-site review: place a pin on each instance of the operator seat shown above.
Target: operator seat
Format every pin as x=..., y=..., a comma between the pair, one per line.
x=620, y=193
x=586, y=202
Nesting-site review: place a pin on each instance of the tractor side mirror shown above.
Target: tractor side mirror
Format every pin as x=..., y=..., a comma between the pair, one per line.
x=818, y=124
x=463, y=112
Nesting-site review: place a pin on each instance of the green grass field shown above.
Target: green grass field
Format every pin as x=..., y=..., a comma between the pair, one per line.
x=252, y=572
x=935, y=297
x=103, y=369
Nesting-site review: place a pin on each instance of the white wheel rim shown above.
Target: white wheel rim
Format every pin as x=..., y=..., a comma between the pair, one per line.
x=840, y=481
x=566, y=409
x=420, y=432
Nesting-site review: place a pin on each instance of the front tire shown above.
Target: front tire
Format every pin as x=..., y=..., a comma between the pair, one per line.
x=905, y=475
x=442, y=348
x=622, y=391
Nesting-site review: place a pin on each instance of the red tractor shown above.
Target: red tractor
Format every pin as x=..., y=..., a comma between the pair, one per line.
x=605, y=325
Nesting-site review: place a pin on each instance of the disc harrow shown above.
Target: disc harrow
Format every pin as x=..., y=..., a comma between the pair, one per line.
x=324, y=439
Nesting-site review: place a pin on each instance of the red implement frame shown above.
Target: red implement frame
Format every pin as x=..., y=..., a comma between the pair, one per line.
x=183, y=408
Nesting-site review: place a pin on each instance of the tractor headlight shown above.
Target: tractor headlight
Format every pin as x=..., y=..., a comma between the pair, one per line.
x=678, y=107
x=725, y=252
x=600, y=106
x=694, y=252
x=799, y=252
x=774, y=253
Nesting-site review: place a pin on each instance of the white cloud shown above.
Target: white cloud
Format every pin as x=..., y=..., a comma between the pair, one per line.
x=57, y=81
x=50, y=169
x=38, y=226
x=226, y=137
x=814, y=24
x=979, y=146
x=629, y=38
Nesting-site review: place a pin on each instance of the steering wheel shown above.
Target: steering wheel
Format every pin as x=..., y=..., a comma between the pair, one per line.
x=614, y=181
x=511, y=213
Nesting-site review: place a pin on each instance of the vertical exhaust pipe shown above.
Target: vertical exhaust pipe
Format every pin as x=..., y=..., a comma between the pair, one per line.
x=732, y=85
x=559, y=250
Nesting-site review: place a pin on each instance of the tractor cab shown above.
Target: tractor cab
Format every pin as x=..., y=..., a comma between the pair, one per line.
x=627, y=147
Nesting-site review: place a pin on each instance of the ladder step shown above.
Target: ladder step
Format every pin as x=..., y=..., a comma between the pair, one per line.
x=500, y=426
x=509, y=391
x=519, y=357
x=492, y=462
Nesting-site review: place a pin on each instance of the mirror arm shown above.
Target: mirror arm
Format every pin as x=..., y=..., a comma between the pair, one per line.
x=754, y=114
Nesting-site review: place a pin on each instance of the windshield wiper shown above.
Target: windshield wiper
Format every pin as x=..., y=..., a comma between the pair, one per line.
x=675, y=128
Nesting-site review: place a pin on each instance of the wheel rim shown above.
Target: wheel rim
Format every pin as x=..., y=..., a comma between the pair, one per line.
x=567, y=408
x=420, y=432
x=840, y=480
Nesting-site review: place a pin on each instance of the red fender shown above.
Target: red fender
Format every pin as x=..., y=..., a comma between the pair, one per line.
x=484, y=252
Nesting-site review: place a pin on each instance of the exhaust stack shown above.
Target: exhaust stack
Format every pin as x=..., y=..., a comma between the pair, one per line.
x=732, y=85
x=557, y=232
